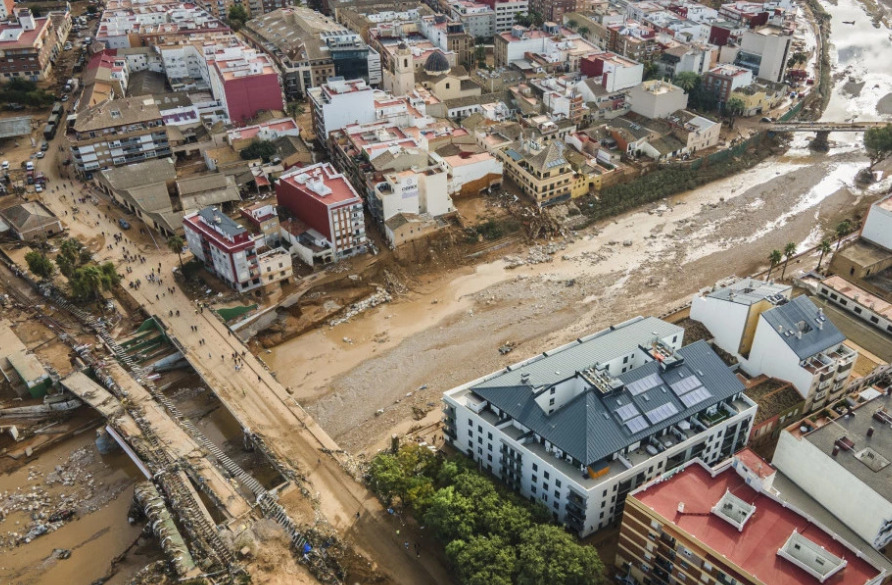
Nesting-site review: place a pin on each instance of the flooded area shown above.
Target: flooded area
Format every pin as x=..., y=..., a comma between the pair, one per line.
x=64, y=518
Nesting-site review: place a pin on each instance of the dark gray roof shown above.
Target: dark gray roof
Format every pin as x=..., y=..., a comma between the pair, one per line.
x=214, y=217
x=589, y=428
x=436, y=62
x=801, y=316
x=748, y=291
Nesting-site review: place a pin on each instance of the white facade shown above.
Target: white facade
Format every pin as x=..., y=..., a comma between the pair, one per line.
x=506, y=12
x=621, y=73
x=462, y=172
x=338, y=104
x=878, y=225
x=773, y=46
x=581, y=498
x=423, y=192
x=657, y=99
x=856, y=504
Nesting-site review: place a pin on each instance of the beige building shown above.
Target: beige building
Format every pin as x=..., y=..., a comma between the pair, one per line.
x=541, y=171
x=657, y=99
x=118, y=132
x=31, y=221
x=760, y=97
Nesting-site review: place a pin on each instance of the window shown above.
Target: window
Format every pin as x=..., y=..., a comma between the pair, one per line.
x=545, y=475
x=489, y=436
x=534, y=479
x=557, y=483
x=535, y=468
x=544, y=497
x=532, y=489
x=557, y=493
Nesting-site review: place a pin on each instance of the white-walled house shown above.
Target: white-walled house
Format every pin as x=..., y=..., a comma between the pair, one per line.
x=796, y=342
x=844, y=465
x=878, y=224
x=580, y=426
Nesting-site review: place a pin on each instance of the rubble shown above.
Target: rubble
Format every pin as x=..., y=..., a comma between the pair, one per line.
x=379, y=297
x=536, y=255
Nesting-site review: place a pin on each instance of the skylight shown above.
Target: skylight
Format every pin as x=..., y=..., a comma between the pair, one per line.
x=733, y=510
x=811, y=557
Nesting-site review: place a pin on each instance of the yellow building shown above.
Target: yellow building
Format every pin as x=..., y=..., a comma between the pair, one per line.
x=760, y=97
x=541, y=171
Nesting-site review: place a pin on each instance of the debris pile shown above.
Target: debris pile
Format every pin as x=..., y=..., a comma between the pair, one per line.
x=379, y=297
x=536, y=255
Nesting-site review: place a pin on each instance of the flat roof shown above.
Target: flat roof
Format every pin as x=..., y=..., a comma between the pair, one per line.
x=755, y=547
x=864, y=460
x=748, y=291
x=865, y=298
x=321, y=182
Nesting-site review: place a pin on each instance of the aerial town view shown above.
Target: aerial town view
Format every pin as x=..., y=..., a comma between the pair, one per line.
x=446, y=292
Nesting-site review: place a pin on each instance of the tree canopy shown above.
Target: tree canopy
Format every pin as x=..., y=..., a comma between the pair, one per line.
x=262, y=149
x=238, y=16
x=39, y=264
x=24, y=91
x=878, y=144
x=491, y=536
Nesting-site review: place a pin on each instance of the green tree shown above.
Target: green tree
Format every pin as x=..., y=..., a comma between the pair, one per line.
x=687, y=80
x=406, y=475
x=238, y=16
x=843, y=229
x=734, y=107
x=789, y=252
x=583, y=31
x=547, y=555
x=262, y=149
x=72, y=255
x=797, y=58
x=482, y=560
x=523, y=19
x=296, y=109
x=480, y=55
x=774, y=259
x=825, y=248
x=650, y=70
x=878, y=144
x=572, y=24
x=175, y=245
x=88, y=282
x=39, y=264
x=451, y=515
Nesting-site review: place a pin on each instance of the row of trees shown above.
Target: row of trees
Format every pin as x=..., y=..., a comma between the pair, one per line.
x=24, y=91
x=86, y=278
x=492, y=537
x=843, y=229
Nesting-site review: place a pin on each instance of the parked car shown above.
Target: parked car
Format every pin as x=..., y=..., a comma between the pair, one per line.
x=5, y=165
x=29, y=166
x=40, y=154
x=64, y=98
x=67, y=47
x=125, y=225
x=45, y=146
x=38, y=188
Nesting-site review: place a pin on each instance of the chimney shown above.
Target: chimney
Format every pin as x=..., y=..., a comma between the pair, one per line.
x=835, y=450
x=681, y=507
x=869, y=432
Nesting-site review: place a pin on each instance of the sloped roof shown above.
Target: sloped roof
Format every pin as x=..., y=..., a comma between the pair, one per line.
x=588, y=427
x=28, y=216
x=549, y=157
x=800, y=315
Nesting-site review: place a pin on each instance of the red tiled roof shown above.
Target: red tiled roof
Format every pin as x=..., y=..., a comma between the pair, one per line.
x=755, y=463
x=755, y=548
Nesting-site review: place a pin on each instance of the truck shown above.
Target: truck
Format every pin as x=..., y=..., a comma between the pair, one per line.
x=49, y=131
x=58, y=108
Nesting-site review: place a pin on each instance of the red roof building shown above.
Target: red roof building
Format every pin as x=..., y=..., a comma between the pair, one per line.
x=326, y=202
x=28, y=45
x=727, y=525
x=246, y=81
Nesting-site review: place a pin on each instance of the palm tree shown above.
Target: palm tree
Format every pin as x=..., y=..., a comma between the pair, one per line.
x=175, y=245
x=583, y=31
x=774, y=258
x=842, y=230
x=789, y=252
x=825, y=248
x=687, y=80
x=89, y=281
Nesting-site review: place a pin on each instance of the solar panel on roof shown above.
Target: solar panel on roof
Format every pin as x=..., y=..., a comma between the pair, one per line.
x=626, y=412
x=661, y=413
x=644, y=384
x=637, y=424
x=695, y=396
x=686, y=385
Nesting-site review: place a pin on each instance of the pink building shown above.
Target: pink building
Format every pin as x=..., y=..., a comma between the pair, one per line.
x=245, y=81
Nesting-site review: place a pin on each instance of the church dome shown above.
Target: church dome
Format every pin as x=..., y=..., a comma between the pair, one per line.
x=437, y=63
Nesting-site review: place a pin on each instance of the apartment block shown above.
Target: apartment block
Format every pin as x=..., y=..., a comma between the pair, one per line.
x=233, y=253
x=479, y=19
x=579, y=427
x=722, y=80
x=728, y=525
x=657, y=99
x=329, y=211
x=28, y=46
x=338, y=103
x=506, y=12
x=843, y=463
x=118, y=132
x=245, y=81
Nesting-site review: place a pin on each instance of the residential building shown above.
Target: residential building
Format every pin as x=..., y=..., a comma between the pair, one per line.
x=796, y=342
x=479, y=19
x=338, y=103
x=133, y=23
x=765, y=51
x=686, y=58
x=259, y=7
x=324, y=201
x=877, y=227
x=506, y=12
x=7, y=9
x=105, y=78
x=553, y=10
x=28, y=46
x=633, y=40
x=657, y=99
x=761, y=96
x=778, y=404
x=470, y=171
x=579, y=427
x=309, y=47
x=727, y=524
x=858, y=301
x=540, y=170
x=118, y=132
x=723, y=80
x=232, y=253
x=245, y=81
x=771, y=334
x=696, y=132
x=843, y=463
x=265, y=219
x=611, y=71
x=31, y=221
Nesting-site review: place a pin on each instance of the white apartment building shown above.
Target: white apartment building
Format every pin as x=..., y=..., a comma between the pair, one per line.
x=479, y=19
x=339, y=103
x=580, y=426
x=506, y=13
x=421, y=191
x=765, y=50
x=772, y=334
x=844, y=465
x=657, y=99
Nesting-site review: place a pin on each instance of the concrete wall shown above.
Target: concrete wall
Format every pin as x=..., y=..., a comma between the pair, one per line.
x=853, y=502
x=725, y=320
x=878, y=226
